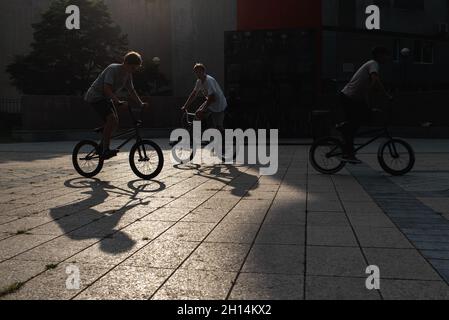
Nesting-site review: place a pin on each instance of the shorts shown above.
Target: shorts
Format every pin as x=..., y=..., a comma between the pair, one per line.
x=215, y=119
x=353, y=111
x=104, y=109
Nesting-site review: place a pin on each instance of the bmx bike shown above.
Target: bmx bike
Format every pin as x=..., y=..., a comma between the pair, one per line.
x=395, y=156
x=145, y=158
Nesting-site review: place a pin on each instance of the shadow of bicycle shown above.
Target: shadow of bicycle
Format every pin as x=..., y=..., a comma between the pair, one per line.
x=240, y=182
x=94, y=218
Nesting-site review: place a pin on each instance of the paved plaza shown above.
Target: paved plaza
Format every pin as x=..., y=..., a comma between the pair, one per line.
x=222, y=232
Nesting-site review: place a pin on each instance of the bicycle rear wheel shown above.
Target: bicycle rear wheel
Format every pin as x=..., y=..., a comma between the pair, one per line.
x=86, y=159
x=146, y=159
x=396, y=157
x=325, y=156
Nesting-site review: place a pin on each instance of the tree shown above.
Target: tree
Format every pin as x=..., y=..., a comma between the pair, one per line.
x=149, y=81
x=66, y=62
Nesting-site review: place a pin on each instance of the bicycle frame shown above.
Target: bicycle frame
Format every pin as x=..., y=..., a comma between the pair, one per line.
x=135, y=135
x=379, y=133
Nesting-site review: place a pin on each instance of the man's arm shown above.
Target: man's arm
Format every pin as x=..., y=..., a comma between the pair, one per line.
x=109, y=93
x=376, y=84
x=210, y=99
x=135, y=97
x=190, y=100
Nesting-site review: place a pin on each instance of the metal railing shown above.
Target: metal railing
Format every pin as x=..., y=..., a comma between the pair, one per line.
x=10, y=105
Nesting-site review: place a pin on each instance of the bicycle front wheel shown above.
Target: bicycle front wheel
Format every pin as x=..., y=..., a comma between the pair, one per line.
x=396, y=157
x=146, y=159
x=183, y=153
x=86, y=159
x=325, y=156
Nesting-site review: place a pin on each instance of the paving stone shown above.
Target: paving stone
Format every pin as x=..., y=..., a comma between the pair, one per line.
x=233, y=233
x=362, y=208
x=217, y=257
x=338, y=288
x=327, y=219
x=256, y=286
x=371, y=220
x=17, y=271
x=167, y=214
x=245, y=216
x=414, y=290
x=335, y=261
x=18, y=244
x=126, y=283
x=324, y=205
x=278, y=259
x=196, y=285
x=331, y=236
x=188, y=231
x=382, y=238
x=52, y=285
x=162, y=254
x=281, y=234
x=286, y=217
x=401, y=264
x=52, y=251
x=434, y=254
x=205, y=215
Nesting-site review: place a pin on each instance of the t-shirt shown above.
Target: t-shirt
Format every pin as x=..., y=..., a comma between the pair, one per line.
x=113, y=75
x=358, y=87
x=211, y=87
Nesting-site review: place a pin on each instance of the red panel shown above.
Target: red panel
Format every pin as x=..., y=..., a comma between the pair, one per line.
x=278, y=14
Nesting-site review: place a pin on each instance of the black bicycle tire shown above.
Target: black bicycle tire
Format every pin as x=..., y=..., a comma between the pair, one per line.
x=386, y=168
x=313, y=162
x=160, y=155
x=75, y=159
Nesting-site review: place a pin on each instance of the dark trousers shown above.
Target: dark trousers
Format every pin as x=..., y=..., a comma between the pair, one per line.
x=354, y=114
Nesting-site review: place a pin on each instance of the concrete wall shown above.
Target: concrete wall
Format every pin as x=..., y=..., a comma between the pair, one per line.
x=198, y=28
x=68, y=112
x=393, y=19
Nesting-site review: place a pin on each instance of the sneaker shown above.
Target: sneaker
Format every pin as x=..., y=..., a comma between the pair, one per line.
x=108, y=154
x=352, y=159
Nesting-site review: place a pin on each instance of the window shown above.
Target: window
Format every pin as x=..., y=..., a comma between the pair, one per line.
x=423, y=52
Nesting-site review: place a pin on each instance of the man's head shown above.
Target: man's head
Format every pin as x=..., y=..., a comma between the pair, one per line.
x=132, y=61
x=381, y=54
x=200, y=71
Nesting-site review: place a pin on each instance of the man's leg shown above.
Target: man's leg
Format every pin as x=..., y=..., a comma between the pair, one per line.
x=218, y=120
x=109, y=128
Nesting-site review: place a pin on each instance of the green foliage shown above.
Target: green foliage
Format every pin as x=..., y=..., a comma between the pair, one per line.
x=149, y=81
x=66, y=62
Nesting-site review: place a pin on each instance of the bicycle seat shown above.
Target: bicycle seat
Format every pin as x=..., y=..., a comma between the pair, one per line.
x=99, y=130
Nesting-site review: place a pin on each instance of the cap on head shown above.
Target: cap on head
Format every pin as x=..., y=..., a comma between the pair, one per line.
x=133, y=58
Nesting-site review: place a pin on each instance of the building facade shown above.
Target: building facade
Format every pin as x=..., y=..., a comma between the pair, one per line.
x=278, y=56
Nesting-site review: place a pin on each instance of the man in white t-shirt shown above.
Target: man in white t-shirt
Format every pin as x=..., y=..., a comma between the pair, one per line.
x=355, y=99
x=215, y=105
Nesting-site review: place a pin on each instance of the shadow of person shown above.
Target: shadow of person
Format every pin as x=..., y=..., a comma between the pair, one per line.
x=241, y=182
x=83, y=220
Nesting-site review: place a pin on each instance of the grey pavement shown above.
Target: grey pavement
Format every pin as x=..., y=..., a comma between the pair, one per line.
x=222, y=232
